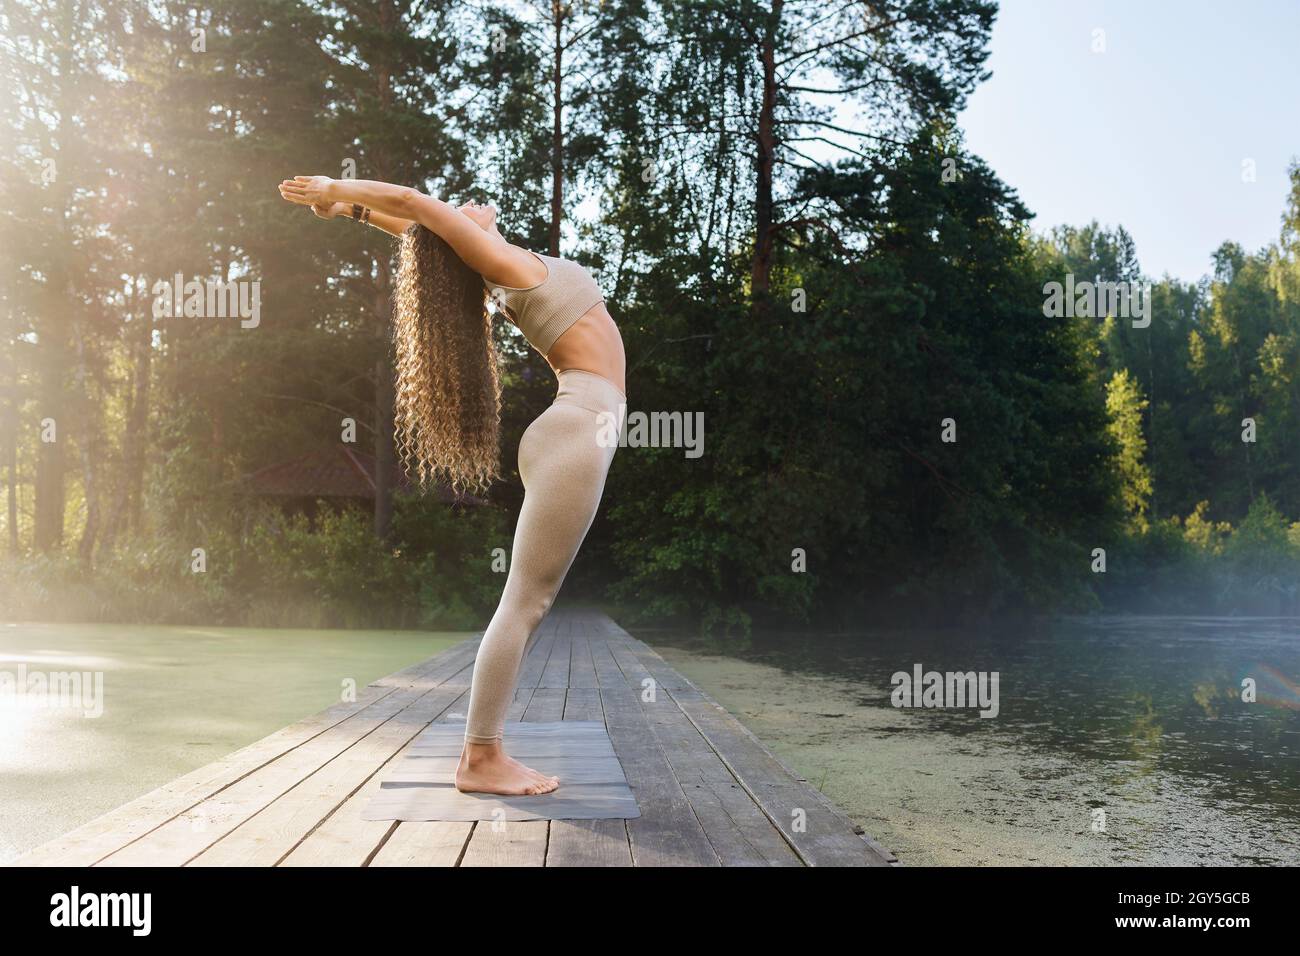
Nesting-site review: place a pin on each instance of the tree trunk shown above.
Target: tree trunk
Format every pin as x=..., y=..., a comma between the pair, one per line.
x=11, y=432
x=765, y=162
x=385, y=446
x=557, y=131
x=48, y=532
x=1151, y=425
x=87, y=446
x=125, y=510
x=140, y=423
x=52, y=332
x=1243, y=396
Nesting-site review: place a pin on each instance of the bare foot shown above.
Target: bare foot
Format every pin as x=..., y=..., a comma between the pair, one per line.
x=541, y=777
x=485, y=768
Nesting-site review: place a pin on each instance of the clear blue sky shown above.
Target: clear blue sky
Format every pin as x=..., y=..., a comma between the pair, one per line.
x=1150, y=134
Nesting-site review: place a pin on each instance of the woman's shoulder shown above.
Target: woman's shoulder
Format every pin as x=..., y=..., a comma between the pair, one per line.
x=522, y=268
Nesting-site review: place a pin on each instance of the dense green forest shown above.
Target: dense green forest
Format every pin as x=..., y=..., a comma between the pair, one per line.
x=894, y=427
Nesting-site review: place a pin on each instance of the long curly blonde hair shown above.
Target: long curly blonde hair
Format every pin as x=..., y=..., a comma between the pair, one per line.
x=447, y=407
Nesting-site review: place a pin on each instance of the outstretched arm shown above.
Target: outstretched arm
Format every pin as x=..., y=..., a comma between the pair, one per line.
x=390, y=224
x=487, y=254
x=343, y=210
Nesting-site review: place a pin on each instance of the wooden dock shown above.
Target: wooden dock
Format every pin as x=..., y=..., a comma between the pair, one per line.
x=710, y=793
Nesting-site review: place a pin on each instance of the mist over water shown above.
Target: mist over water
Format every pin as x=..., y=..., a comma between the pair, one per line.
x=1140, y=718
x=174, y=699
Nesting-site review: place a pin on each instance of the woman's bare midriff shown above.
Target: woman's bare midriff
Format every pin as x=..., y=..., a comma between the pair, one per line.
x=592, y=344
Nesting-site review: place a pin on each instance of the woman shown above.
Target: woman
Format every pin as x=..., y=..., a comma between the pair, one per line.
x=448, y=404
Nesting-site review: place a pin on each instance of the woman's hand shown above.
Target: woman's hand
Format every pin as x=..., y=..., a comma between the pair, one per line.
x=308, y=190
x=332, y=210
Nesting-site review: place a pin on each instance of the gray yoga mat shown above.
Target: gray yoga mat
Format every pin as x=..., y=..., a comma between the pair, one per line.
x=592, y=783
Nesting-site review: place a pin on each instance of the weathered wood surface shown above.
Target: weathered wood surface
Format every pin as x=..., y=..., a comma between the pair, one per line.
x=710, y=793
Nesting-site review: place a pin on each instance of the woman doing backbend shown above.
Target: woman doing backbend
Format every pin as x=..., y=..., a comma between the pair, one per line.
x=447, y=411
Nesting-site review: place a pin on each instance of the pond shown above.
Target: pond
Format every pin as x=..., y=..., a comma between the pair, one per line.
x=1116, y=740
x=173, y=699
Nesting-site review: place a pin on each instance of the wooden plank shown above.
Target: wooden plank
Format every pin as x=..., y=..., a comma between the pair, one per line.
x=507, y=844
x=424, y=843
x=343, y=838
x=587, y=842
x=608, y=673
x=547, y=704
x=106, y=834
x=741, y=834
x=582, y=670
x=667, y=832
x=183, y=837
x=269, y=835
x=818, y=831
x=583, y=703
x=556, y=672
x=347, y=840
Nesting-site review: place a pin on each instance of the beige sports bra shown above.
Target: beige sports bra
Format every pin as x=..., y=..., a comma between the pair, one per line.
x=545, y=311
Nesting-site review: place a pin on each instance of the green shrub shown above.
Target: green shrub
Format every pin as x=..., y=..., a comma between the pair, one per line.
x=268, y=569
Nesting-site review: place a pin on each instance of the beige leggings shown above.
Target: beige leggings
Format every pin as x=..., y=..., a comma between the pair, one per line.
x=563, y=458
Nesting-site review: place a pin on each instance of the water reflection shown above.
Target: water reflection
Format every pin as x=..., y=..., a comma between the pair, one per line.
x=1140, y=717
